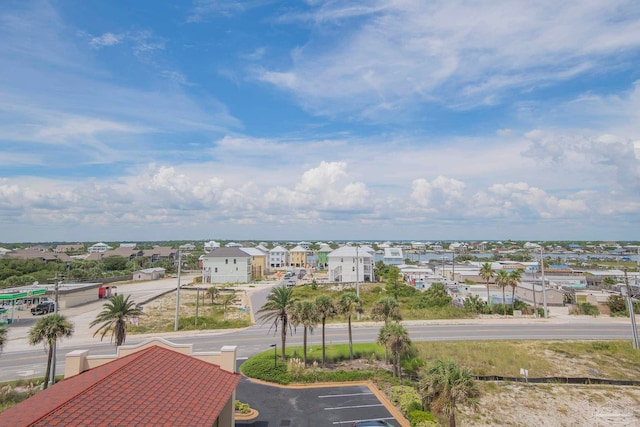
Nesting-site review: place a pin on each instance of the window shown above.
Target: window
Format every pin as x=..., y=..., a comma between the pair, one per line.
x=353, y=269
x=226, y=261
x=216, y=270
x=234, y=260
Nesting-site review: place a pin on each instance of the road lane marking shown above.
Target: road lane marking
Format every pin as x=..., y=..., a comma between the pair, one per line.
x=356, y=421
x=353, y=407
x=344, y=395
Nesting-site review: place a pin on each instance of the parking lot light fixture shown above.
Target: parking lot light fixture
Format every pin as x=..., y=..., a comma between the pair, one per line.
x=275, y=354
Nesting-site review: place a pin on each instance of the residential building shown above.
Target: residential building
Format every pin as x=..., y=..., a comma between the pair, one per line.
x=393, y=256
x=211, y=245
x=160, y=252
x=258, y=262
x=154, y=273
x=305, y=245
x=98, y=247
x=323, y=252
x=153, y=383
x=79, y=247
x=349, y=264
x=298, y=257
x=278, y=257
x=227, y=265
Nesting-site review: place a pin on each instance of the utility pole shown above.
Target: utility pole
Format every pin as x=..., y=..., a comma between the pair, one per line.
x=544, y=287
x=52, y=378
x=357, y=277
x=175, y=325
x=634, y=328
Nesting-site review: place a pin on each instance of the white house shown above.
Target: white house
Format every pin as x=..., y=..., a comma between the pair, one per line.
x=278, y=257
x=98, y=248
x=227, y=265
x=211, y=245
x=393, y=256
x=349, y=264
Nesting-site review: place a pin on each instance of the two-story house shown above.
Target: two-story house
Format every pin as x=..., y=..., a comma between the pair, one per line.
x=278, y=257
x=227, y=265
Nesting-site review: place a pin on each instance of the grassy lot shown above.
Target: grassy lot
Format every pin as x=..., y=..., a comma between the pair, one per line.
x=159, y=315
x=410, y=309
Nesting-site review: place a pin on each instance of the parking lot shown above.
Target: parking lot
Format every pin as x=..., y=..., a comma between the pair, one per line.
x=311, y=407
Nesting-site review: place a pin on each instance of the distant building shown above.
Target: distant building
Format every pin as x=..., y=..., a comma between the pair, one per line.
x=149, y=274
x=298, y=257
x=349, y=264
x=98, y=247
x=258, y=262
x=79, y=247
x=278, y=257
x=227, y=265
x=393, y=256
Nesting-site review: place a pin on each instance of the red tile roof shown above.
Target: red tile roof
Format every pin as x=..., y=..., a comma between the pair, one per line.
x=154, y=386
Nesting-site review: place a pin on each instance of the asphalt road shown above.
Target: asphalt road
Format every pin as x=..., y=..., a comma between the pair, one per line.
x=20, y=360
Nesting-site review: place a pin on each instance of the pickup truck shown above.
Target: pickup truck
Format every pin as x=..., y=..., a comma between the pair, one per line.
x=44, y=308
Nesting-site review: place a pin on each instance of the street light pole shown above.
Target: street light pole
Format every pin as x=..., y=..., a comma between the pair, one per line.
x=544, y=287
x=632, y=314
x=357, y=277
x=175, y=325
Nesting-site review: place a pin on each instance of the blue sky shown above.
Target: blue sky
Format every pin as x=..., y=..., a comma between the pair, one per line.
x=343, y=119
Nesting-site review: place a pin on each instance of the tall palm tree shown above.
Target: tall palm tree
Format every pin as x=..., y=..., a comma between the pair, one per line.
x=514, y=279
x=48, y=330
x=3, y=337
x=326, y=309
x=502, y=280
x=394, y=336
x=445, y=386
x=487, y=273
x=349, y=304
x=386, y=308
x=114, y=316
x=277, y=309
x=306, y=314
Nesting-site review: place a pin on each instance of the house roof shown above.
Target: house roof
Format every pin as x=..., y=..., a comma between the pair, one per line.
x=298, y=249
x=350, y=251
x=232, y=252
x=154, y=386
x=253, y=251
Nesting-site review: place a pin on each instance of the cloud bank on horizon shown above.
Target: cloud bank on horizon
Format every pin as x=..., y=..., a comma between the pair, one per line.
x=343, y=119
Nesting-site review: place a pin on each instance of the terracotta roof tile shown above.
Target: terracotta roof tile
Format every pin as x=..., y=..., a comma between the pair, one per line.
x=153, y=386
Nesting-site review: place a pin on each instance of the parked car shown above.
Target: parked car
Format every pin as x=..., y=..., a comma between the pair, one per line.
x=44, y=308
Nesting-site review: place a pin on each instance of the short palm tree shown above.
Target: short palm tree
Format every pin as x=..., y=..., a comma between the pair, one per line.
x=277, y=309
x=386, y=308
x=114, y=316
x=3, y=338
x=349, y=304
x=305, y=314
x=326, y=309
x=228, y=299
x=395, y=337
x=444, y=386
x=487, y=273
x=514, y=279
x=213, y=292
x=48, y=330
x=502, y=280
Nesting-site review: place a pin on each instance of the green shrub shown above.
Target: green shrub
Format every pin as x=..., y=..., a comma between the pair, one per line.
x=405, y=397
x=500, y=309
x=585, y=308
x=243, y=408
x=617, y=305
x=419, y=418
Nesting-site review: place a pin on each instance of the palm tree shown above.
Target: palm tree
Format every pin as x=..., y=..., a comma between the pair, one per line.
x=394, y=282
x=3, y=337
x=394, y=336
x=213, y=292
x=277, y=309
x=445, y=386
x=514, y=279
x=502, y=280
x=486, y=273
x=114, y=315
x=386, y=308
x=348, y=304
x=228, y=299
x=325, y=308
x=306, y=314
x=47, y=330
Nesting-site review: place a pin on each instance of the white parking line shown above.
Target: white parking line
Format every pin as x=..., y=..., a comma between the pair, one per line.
x=357, y=421
x=352, y=407
x=344, y=395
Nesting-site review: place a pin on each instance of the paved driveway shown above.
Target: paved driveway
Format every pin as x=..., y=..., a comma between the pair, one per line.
x=310, y=407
